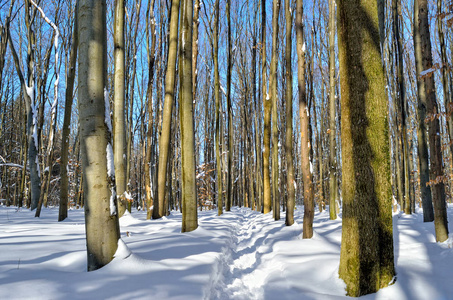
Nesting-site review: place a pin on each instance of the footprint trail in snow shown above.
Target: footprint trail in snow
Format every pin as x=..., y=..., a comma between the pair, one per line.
x=242, y=270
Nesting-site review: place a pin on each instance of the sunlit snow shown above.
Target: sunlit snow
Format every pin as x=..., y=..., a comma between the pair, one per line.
x=239, y=255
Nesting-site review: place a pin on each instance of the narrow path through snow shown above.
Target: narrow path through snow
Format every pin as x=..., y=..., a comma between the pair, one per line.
x=241, y=272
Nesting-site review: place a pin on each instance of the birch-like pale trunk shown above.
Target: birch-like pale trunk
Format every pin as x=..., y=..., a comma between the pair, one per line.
x=119, y=103
x=101, y=217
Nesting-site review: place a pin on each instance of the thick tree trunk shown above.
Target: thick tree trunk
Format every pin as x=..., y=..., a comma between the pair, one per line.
x=189, y=184
x=366, y=261
x=101, y=217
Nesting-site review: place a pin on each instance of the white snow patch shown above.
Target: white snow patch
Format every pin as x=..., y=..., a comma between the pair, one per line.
x=107, y=120
x=241, y=254
x=122, y=252
x=110, y=161
x=112, y=201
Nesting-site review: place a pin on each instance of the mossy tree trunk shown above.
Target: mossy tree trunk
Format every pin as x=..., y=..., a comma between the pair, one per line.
x=366, y=260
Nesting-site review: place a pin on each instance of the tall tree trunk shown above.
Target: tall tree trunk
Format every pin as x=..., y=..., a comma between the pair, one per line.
x=215, y=54
x=257, y=127
x=273, y=91
x=164, y=143
x=64, y=181
x=333, y=187
x=101, y=218
x=150, y=28
x=425, y=188
x=31, y=106
x=366, y=260
x=304, y=124
x=448, y=101
x=189, y=184
x=229, y=195
x=290, y=203
x=427, y=100
x=267, y=115
x=196, y=22
x=119, y=118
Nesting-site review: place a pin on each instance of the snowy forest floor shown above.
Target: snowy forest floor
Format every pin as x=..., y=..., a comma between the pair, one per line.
x=239, y=255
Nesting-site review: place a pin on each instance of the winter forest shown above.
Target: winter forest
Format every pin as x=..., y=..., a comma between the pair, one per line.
x=226, y=149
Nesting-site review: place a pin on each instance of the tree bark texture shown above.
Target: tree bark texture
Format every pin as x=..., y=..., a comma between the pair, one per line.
x=366, y=260
x=290, y=202
x=189, y=184
x=273, y=90
x=304, y=126
x=164, y=142
x=427, y=100
x=119, y=117
x=101, y=218
x=425, y=188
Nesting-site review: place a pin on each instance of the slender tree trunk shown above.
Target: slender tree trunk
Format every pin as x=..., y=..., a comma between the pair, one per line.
x=267, y=115
x=164, y=143
x=290, y=203
x=229, y=195
x=332, y=116
x=366, y=261
x=425, y=189
x=304, y=124
x=31, y=106
x=64, y=180
x=189, y=184
x=447, y=96
x=215, y=54
x=196, y=22
x=274, y=105
x=427, y=100
x=119, y=118
x=101, y=218
x=150, y=28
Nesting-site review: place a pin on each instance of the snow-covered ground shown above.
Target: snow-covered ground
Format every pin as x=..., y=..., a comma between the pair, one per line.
x=239, y=255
